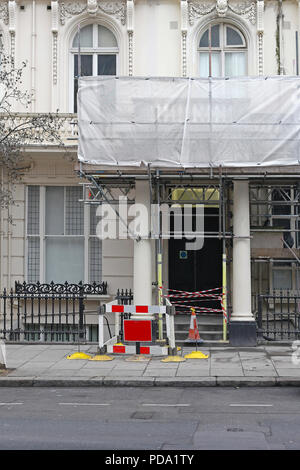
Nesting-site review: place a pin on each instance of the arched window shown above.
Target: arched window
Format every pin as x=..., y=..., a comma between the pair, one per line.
x=98, y=54
x=228, y=51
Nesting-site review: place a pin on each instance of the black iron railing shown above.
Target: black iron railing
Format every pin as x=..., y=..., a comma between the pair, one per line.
x=278, y=316
x=46, y=312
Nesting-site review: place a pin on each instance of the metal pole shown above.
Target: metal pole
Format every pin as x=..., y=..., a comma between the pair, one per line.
x=79, y=57
x=224, y=263
x=159, y=261
x=209, y=53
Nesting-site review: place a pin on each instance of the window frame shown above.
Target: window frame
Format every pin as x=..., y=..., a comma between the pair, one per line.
x=42, y=236
x=290, y=267
x=95, y=51
x=223, y=47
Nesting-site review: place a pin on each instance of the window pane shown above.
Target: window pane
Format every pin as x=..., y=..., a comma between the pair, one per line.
x=86, y=69
x=235, y=64
x=86, y=37
x=93, y=218
x=33, y=210
x=95, y=261
x=215, y=37
x=233, y=38
x=282, y=279
x=74, y=211
x=33, y=259
x=54, y=223
x=106, y=38
x=107, y=64
x=204, y=64
x=64, y=259
x=86, y=65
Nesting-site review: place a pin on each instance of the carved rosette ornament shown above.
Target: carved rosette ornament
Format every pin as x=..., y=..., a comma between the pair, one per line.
x=116, y=8
x=197, y=9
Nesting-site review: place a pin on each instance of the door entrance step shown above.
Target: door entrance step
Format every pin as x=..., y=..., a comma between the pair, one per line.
x=205, y=344
x=205, y=335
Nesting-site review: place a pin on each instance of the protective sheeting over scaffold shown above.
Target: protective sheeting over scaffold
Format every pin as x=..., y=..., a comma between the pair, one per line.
x=189, y=123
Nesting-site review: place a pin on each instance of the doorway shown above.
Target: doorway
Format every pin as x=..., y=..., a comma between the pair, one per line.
x=197, y=270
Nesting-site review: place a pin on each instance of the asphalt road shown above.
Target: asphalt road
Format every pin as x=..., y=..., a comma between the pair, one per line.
x=150, y=418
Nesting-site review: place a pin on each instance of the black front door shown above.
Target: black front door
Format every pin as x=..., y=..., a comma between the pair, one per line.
x=197, y=270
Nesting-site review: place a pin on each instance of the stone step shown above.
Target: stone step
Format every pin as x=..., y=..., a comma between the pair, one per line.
x=205, y=344
x=202, y=326
x=205, y=335
x=204, y=318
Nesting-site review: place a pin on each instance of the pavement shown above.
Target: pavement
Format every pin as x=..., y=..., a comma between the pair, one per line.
x=47, y=365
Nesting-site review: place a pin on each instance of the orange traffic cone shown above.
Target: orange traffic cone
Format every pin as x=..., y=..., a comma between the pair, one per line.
x=194, y=336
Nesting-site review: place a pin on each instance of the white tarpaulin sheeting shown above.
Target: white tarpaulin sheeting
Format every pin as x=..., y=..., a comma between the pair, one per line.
x=181, y=122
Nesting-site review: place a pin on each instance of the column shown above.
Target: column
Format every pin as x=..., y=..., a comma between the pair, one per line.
x=142, y=265
x=242, y=328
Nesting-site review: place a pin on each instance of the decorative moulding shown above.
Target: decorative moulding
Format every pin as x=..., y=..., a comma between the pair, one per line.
x=116, y=8
x=4, y=12
x=260, y=15
x=197, y=9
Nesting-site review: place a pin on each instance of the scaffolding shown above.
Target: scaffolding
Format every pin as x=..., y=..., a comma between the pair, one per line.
x=189, y=139
x=274, y=199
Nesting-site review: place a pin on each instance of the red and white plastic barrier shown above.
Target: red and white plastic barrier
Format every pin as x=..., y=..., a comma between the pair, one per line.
x=131, y=349
x=137, y=329
x=151, y=309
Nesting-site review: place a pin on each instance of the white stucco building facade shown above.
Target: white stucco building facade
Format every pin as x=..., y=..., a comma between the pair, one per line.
x=53, y=236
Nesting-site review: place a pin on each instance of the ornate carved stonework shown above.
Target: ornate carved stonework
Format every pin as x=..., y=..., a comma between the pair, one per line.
x=130, y=31
x=222, y=7
x=115, y=8
x=69, y=9
x=197, y=9
x=54, y=28
x=247, y=9
x=130, y=53
x=4, y=12
x=92, y=7
x=260, y=35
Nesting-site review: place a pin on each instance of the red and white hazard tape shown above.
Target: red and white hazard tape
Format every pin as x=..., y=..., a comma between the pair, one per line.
x=200, y=309
x=131, y=349
x=223, y=308
x=197, y=296
x=183, y=292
